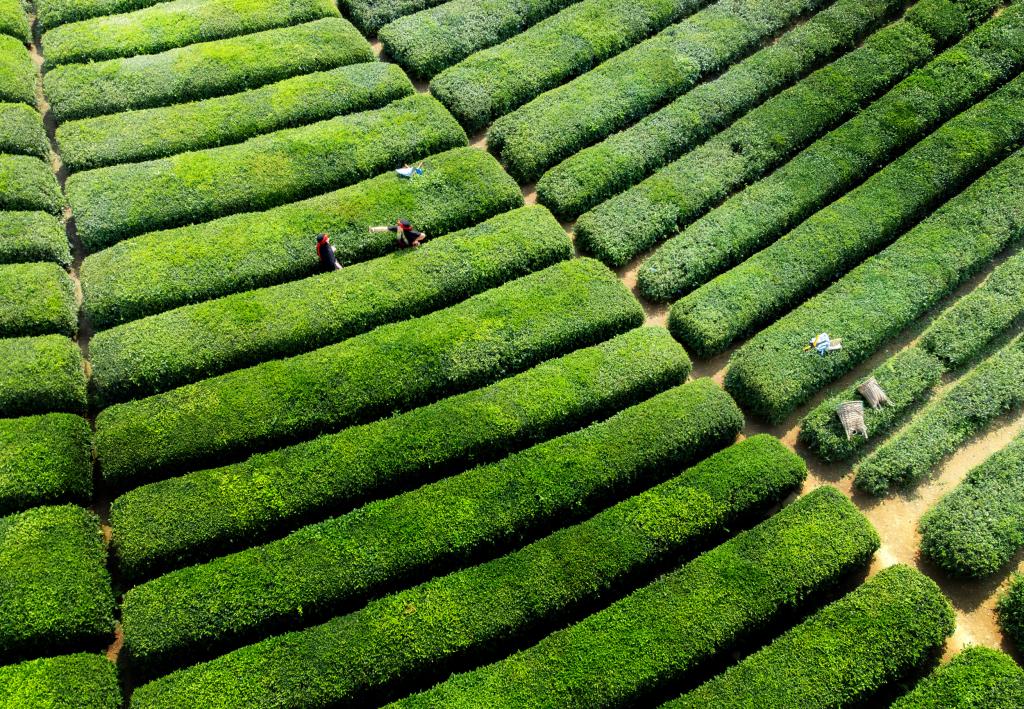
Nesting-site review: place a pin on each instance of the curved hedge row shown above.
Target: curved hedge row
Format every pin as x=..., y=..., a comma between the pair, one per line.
x=21, y=131
x=907, y=378
x=1010, y=610
x=235, y=505
x=57, y=593
x=52, y=13
x=114, y=203
x=28, y=183
x=989, y=390
x=370, y=15
x=494, y=81
x=17, y=72
x=14, y=21
x=198, y=341
x=202, y=70
x=41, y=374
x=635, y=220
x=422, y=533
x=36, y=299
x=44, y=460
x=168, y=25
x=159, y=132
x=889, y=291
x=866, y=219
x=976, y=529
x=167, y=269
x=844, y=653
x=620, y=161
x=762, y=212
x=481, y=608
x=395, y=367
x=976, y=677
x=81, y=680
x=966, y=328
x=613, y=95
x=653, y=637
x=33, y=236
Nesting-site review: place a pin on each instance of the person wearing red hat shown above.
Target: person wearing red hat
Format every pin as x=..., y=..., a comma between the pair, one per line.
x=325, y=252
x=405, y=235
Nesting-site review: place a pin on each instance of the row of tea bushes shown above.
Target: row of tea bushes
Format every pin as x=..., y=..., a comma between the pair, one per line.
x=40, y=375
x=36, y=299
x=27, y=183
x=45, y=459
x=33, y=236
x=977, y=676
x=17, y=72
x=22, y=132
x=81, y=680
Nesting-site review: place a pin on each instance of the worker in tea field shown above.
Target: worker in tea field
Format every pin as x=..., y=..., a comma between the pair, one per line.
x=405, y=235
x=325, y=252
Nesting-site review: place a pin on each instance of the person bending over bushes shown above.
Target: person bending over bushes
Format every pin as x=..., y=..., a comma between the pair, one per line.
x=325, y=252
x=405, y=235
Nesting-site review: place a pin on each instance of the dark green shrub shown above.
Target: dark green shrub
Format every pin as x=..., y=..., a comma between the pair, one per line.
x=167, y=269
x=114, y=203
x=370, y=15
x=238, y=504
x=395, y=367
x=158, y=132
x=840, y=656
x=840, y=160
x=989, y=390
x=203, y=70
x=963, y=330
x=57, y=593
x=869, y=306
x=1010, y=611
x=497, y=80
x=975, y=529
x=424, y=532
x=977, y=677
x=17, y=72
x=21, y=131
x=436, y=38
x=33, y=236
x=41, y=374
x=651, y=638
x=632, y=222
x=14, y=21
x=28, y=183
x=623, y=159
x=907, y=378
x=483, y=607
x=44, y=460
x=36, y=299
x=627, y=87
x=866, y=219
x=198, y=341
x=167, y=25
x=81, y=681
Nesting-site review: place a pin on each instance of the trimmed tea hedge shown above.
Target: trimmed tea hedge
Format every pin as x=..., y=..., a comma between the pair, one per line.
x=167, y=269
x=424, y=532
x=82, y=681
x=760, y=213
x=853, y=227
x=989, y=390
x=52, y=13
x=36, y=299
x=197, y=341
x=967, y=327
x=977, y=528
x=497, y=80
x=907, y=378
x=238, y=504
x=630, y=223
x=41, y=374
x=14, y=21
x=977, y=677
x=482, y=607
x=167, y=25
x=844, y=653
x=395, y=367
x=17, y=72
x=1010, y=611
x=159, y=132
x=33, y=236
x=370, y=15
x=203, y=70
x=44, y=460
x=600, y=171
x=650, y=639
x=57, y=592
x=888, y=292
x=436, y=38
x=21, y=131
x=559, y=123
x=114, y=203
x=28, y=183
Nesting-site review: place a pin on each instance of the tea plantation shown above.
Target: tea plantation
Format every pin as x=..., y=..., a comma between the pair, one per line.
x=696, y=381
